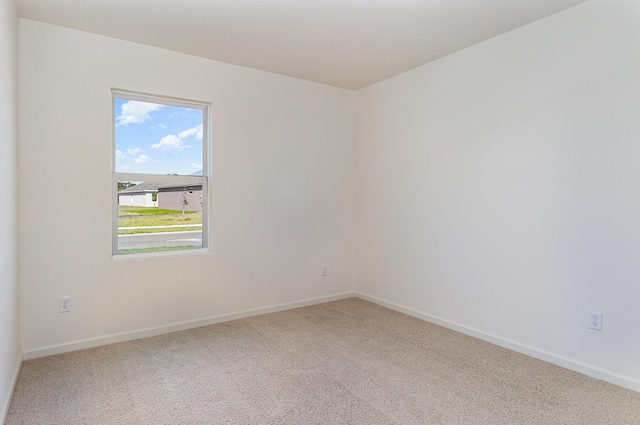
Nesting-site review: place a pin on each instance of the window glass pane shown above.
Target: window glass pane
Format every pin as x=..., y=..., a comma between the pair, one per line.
x=157, y=215
x=154, y=138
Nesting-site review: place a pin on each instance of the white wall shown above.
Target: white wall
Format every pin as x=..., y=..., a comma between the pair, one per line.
x=10, y=352
x=499, y=189
x=136, y=199
x=282, y=190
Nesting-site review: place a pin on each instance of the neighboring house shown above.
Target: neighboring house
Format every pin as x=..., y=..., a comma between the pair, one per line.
x=173, y=197
x=140, y=195
x=169, y=196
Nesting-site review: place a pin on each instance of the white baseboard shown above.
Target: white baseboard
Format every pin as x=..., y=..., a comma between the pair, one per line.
x=567, y=363
x=174, y=327
x=5, y=407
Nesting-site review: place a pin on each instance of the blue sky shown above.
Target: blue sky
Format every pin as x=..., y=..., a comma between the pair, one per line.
x=157, y=139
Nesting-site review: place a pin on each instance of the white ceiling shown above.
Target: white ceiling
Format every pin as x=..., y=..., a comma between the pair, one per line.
x=345, y=43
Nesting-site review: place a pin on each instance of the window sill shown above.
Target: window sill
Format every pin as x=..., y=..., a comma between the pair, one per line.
x=159, y=254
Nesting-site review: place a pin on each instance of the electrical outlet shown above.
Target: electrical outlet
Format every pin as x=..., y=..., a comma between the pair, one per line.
x=65, y=304
x=595, y=320
x=325, y=270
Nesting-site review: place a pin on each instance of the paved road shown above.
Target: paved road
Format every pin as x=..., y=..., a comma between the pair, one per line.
x=152, y=240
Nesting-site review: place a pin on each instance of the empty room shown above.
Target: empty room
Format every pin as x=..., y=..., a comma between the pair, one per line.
x=320, y=212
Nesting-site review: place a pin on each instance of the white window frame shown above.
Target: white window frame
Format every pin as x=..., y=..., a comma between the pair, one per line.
x=173, y=179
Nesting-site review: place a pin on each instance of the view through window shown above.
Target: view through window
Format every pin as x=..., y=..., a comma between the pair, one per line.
x=159, y=174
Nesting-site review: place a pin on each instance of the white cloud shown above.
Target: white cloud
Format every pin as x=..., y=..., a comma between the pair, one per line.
x=141, y=159
x=134, y=152
x=135, y=112
x=172, y=141
x=196, y=165
x=197, y=131
x=120, y=155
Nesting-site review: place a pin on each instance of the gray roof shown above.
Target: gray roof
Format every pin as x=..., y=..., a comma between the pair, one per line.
x=153, y=187
x=142, y=187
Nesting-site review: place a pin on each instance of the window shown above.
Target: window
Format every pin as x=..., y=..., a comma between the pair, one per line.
x=160, y=170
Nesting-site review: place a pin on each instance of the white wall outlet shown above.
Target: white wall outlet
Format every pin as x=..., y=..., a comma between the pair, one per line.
x=325, y=270
x=65, y=304
x=595, y=320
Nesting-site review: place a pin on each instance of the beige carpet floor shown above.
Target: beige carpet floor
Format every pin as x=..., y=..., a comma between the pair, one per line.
x=344, y=362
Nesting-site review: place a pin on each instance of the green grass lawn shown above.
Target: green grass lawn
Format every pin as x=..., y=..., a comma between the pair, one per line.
x=159, y=248
x=150, y=216
x=124, y=210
